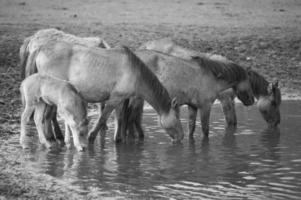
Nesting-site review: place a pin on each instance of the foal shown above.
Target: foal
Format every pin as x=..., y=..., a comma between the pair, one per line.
x=37, y=91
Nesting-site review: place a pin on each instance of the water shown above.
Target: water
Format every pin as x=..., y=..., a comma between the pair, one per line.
x=252, y=163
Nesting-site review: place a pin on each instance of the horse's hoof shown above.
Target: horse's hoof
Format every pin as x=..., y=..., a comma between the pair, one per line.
x=177, y=141
x=25, y=146
x=68, y=145
x=50, y=145
x=118, y=140
x=81, y=149
x=61, y=142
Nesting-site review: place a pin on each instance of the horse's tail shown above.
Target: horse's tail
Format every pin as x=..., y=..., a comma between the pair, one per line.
x=31, y=66
x=24, y=55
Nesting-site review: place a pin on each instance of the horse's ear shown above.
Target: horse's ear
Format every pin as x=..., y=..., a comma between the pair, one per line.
x=174, y=103
x=195, y=57
x=270, y=88
x=219, y=76
x=275, y=84
x=248, y=69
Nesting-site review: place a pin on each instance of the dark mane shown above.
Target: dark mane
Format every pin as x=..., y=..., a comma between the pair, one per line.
x=258, y=83
x=221, y=69
x=147, y=77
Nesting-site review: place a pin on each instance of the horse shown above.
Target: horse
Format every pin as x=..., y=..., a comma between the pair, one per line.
x=107, y=75
x=42, y=37
x=196, y=82
x=268, y=101
x=37, y=91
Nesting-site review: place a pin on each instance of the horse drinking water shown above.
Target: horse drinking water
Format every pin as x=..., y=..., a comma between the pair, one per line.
x=196, y=83
x=37, y=91
x=43, y=37
x=110, y=76
x=269, y=100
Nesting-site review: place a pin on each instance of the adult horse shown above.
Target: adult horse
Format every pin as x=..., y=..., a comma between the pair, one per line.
x=268, y=95
x=42, y=37
x=196, y=83
x=110, y=75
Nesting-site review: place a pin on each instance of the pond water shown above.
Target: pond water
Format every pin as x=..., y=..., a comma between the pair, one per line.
x=251, y=163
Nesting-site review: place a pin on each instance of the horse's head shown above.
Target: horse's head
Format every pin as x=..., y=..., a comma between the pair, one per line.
x=81, y=129
x=75, y=116
x=171, y=122
x=244, y=92
x=269, y=105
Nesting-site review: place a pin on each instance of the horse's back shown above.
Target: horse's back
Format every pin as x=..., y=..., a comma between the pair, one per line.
x=94, y=71
x=44, y=36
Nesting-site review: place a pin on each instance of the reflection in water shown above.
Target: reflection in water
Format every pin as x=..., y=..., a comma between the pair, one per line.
x=248, y=162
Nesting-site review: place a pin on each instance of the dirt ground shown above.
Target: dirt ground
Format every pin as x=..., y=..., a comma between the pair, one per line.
x=262, y=34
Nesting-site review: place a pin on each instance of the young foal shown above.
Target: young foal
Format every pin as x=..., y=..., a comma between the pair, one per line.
x=37, y=91
x=268, y=102
x=196, y=83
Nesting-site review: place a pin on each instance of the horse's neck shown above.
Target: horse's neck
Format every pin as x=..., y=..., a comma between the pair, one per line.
x=260, y=90
x=223, y=85
x=158, y=97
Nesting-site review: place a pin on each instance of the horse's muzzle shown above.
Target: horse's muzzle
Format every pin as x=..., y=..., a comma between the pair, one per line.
x=248, y=102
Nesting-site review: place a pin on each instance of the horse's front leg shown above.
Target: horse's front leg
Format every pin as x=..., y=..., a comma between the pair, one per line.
x=101, y=122
x=205, y=117
x=101, y=107
x=121, y=121
x=228, y=105
x=51, y=114
x=192, y=113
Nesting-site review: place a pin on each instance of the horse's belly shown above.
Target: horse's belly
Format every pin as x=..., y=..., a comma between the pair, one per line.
x=92, y=91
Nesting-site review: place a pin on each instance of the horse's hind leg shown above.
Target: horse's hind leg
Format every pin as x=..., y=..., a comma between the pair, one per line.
x=57, y=130
x=228, y=106
x=139, y=129
x=101, y=107
x=25, y=118
x=121, y=121
x=43, y=126
x=205, y=117
x=192, y=113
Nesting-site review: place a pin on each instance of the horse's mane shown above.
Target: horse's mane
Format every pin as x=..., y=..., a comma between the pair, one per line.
x=258, y=83
x=146, y=76
x=222, y=69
